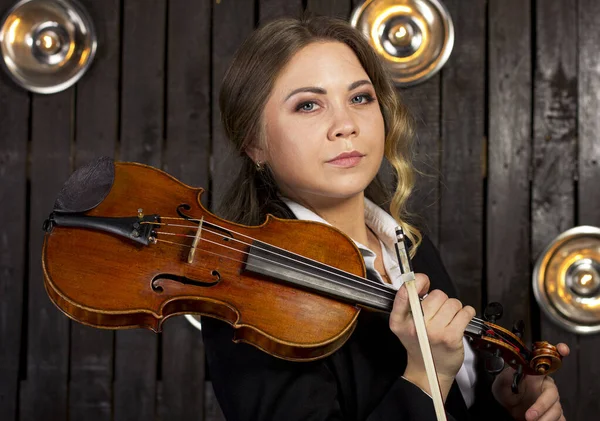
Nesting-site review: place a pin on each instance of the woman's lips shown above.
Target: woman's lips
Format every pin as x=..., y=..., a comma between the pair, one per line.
x=347, y=159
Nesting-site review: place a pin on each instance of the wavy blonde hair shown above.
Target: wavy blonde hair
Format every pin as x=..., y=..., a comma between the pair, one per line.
x=246, y=88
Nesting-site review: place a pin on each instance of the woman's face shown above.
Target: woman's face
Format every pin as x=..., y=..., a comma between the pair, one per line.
x=324, y=129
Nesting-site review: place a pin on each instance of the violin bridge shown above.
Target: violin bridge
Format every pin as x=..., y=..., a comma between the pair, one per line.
x=195, y=243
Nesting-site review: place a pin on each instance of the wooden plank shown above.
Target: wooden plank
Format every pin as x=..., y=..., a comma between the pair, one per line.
x=142, y=101
x=423, y=100
x=97, y=118
x=182, y=394
x=336, y=8
x=232, y=23
x=555, y=130
x=142, y=69
x=589, y=109
x=588, y=405
x=98, y=91
x=187, y=152
x=135, y=374
x=44, y=391
x=463, y=94
x=272, y=9
x=187, y=157
x=14, y=134
x=509, y=154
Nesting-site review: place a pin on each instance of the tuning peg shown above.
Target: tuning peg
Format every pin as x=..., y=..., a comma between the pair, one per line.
x=493, y=311
x=494, y=363
x=518, y=328
x=517, y=379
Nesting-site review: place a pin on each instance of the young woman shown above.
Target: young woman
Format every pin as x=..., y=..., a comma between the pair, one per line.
x=313, y=113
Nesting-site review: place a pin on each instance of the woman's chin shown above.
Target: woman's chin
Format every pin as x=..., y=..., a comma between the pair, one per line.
x=344, y=187
x=328, y=186
x=344, y=190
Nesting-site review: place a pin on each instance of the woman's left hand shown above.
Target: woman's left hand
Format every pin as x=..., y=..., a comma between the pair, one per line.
x=538, y=397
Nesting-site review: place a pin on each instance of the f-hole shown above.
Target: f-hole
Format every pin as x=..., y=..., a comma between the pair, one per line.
x=163, y=277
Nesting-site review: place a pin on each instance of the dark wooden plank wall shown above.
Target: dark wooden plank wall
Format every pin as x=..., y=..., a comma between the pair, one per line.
x=506, y=135
x=232, y=22
x=554, y=152
x=588, y=193
x=509, y=137
x=462, y=126
x=44, y=390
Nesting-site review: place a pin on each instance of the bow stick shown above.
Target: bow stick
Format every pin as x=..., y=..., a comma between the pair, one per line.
x=408, y=276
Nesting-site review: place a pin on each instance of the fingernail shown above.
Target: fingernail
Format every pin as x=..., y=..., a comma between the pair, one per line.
x=532, y=414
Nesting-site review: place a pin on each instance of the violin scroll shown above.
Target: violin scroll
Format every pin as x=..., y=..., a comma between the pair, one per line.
x=504, y=346
x=545, y=358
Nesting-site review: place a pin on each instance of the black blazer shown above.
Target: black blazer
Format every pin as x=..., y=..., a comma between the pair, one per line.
x=360, y=381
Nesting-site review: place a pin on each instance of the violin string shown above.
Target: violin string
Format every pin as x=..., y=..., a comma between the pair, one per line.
x=263, y=258
x=391, y=295
x=364, y=280
x=483, y=324
x=475, y=322
x=480, y=322
x=498, y=334
x=352, y=277
x=502, y=336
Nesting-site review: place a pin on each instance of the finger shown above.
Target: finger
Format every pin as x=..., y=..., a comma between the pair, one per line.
x=548, y=382
x=446, y=313
x=422, y=283
x=462, y=319
x=432, y=303
x=563, y=349
x=555, y=413
x=401, y=307
x=545, y=401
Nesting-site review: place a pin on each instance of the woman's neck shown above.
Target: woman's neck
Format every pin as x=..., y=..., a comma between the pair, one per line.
x=347, y=215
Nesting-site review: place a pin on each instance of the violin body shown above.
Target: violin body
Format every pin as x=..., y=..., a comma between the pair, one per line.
x=138, y=247
x=101, y=278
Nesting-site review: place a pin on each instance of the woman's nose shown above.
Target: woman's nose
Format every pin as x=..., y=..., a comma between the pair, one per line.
x=343, y=125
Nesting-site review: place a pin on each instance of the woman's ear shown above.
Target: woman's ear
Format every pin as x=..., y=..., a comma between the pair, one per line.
x=255, y=153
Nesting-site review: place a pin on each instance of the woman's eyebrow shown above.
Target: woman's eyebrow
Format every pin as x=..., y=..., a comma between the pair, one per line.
x=316, y=90
x=312, y=89
x=358, y=83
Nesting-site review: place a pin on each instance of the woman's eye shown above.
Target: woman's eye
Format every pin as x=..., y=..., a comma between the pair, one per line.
x=306, y=106
x=362, y=99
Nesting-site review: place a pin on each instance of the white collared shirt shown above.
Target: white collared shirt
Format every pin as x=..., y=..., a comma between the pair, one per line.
x=384, y=227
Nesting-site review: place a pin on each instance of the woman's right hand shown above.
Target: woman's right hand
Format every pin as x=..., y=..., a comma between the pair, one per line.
x=445, y=320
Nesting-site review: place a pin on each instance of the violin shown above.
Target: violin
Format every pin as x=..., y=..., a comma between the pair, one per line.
x=128, y=246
